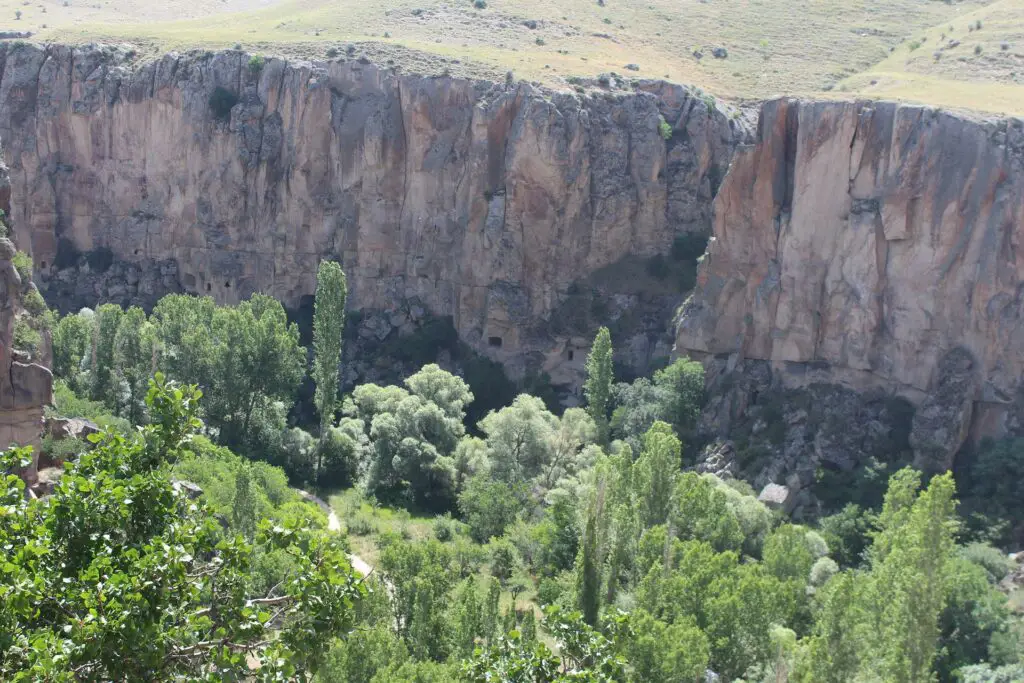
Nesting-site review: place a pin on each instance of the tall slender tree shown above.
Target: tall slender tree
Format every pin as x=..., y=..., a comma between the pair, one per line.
x=328, y=327
x=598, y=387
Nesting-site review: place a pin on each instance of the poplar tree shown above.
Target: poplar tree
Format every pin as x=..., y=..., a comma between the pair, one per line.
x=598, y=387
x=328, y=327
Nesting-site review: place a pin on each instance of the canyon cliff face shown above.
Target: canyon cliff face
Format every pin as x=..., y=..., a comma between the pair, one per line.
x=26, y=384
x=873, y=246
x=214, y=174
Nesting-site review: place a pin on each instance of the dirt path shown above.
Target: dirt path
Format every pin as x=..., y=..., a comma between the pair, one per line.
x=334, y=524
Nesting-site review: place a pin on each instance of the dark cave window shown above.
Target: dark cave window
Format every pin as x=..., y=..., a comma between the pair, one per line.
x=495, y=342
x=42, y=264
x=208, y=287
x=572, y=354
x=227, y=285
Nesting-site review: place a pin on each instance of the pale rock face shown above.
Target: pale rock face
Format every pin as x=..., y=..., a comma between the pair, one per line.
x=873, y=245
x=480, y=201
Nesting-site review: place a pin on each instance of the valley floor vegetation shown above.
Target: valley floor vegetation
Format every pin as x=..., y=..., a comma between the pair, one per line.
x=526, y=546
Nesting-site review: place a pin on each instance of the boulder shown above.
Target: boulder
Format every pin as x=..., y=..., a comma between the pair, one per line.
x=71, y=427
x=778, y=497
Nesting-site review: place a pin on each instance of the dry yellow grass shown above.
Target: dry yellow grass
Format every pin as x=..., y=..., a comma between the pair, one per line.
x=973, y=61
x=775, y=47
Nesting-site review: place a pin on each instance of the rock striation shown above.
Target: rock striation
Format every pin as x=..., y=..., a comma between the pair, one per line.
x=224, y=175
x=874, y=246
x=26, y=384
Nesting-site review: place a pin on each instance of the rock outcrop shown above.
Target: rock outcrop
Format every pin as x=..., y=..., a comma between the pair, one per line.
x=225, y=175
x=26, y=384
x=874, y=246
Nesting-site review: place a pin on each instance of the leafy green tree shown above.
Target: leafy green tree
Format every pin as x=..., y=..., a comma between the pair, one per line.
x=655, y=474
x=105, y=323
x=585, y=655
x=975, y=614
x=243, y=509
x=911, y=561
x=328, y=328
x=185, y=328
x=134, y=361
x=598, y=387
x=466, y=618
x=341, y=452
x=412, y=437
x=558, y=537
x=256, y=359
x=489, y=507
x=701, y=511
x=589, y=566
x=674, y=395
x=992, y=488
x=663, y=653
x=787, y=555
x=120, y=576
x=71, y=346
x=832, y=653
x=847, y=534
x=519, y=439
x=504, y=559
x=418, y=576
x=362, y=654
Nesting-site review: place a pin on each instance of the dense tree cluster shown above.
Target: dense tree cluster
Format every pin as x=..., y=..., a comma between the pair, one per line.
x=568, y=546
x=120, y=575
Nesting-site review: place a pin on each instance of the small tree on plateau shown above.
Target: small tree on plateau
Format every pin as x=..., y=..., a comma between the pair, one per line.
x=598, y=387
x=328, y=327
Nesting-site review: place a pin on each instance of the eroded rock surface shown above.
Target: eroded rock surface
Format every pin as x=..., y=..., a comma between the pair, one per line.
x=874, y=246
x=480, y=201
x=26, y=385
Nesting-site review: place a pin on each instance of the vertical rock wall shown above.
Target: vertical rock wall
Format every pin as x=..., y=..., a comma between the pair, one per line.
x=477, y=200
x=874, y=245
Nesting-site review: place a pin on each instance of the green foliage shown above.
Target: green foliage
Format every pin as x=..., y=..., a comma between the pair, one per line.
x=585, y=655
x=664, y=129
x=107, y=579
x=504, y=559
x=413, y=435
x=341, y=452
x=135, y=352
x=558, y=537
x=362, y=655
x=663, y=653
x=489, y=507
x=984, y=673
x=328, y=329
x=656, y=473
x=993, y=560
x=848, y=534
x=106, y=321
x=33, y=303
x=23, y=264
x=992, y=488
x=71, y=345
x=26, y=338
x=598, y=387
x=974, y=613
x=256, y=63
x=675, y=395
x=701, y=511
